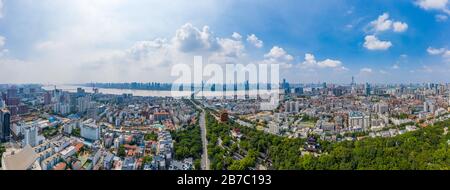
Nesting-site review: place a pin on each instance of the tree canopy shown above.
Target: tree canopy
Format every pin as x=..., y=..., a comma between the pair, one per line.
x=424, y=149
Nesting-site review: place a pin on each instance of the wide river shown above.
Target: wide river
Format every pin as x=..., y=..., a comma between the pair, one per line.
x=153, y=93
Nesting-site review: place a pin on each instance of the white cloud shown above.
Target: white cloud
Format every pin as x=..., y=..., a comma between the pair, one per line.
x=447, y=53
x=190, y=39
x=231, y=48
x=441, y=18
x=142, y=49
x=382, y=23
x=432, y=4
x=255, y=41
x=435, y=51
x=447, y=56
x=444, y=52
x=329, y=63
x=400, y=26
x=366, y=70
x=383, y=72
x=236, y=36
x=373, y=43
x=310, y=62
x=440, y=5
x=279, y=54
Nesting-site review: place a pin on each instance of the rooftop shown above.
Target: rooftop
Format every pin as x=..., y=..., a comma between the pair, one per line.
x=22, y=160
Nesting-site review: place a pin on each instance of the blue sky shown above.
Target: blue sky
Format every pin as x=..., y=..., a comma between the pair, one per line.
x=384, y=41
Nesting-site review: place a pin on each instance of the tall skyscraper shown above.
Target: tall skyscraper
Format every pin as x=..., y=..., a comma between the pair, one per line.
x=5, y=125
x=367, y=89
x=31, y=135
x=47, y=98
x=12, y=92
x=285, y=86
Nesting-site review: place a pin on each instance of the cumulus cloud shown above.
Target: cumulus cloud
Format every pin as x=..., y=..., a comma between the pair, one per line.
x=310, y=62
x=440, y=5
x=190, y=39
x=435, y=51
x=447, y=53
x=432, y=4
x=443, y=52
x=231, y=48
x=366, y=70
x=383, y=23
x=373, y=43
x=236, y=36
x=279, y=54
x=252, y=39
x=400, y=26
x=142, y=49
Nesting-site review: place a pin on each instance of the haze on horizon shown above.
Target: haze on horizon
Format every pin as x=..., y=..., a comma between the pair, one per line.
x=82, y=41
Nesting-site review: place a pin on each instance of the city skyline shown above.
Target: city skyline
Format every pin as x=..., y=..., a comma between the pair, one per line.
x=122, y=41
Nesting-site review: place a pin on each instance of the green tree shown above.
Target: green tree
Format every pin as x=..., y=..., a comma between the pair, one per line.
x=151, y=137
x=121, y=152
x=147, y=159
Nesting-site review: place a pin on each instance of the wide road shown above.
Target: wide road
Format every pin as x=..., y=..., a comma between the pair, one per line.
x=205, y=158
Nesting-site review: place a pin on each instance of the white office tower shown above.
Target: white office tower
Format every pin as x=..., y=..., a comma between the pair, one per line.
x=358, y=120
x=61, y=108
x=293, y=106
x=287, y=107
x=297, y=107
x=429, y=106
x=381, y=108
x=83, y=103
x=31, y=135
x=89, y=130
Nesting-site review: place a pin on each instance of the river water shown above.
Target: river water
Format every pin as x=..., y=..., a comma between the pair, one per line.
x=157, y=93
